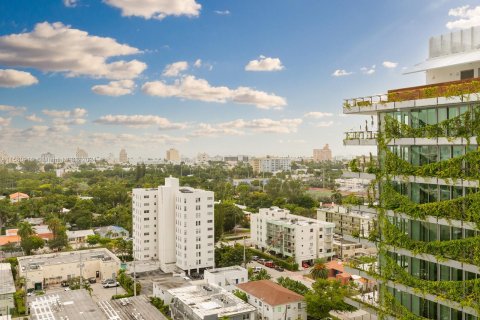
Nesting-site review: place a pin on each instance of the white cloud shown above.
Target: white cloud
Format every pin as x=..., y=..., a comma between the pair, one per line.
x=70, y=3
x=13, y=111
x=324, y=124
x=368, y=71
x=33, y=118
x=139, y=121
x=265, y=64
x=4, y=121
x=156, y=9
x=198, y=63
x=466, y=17
x=317, y=114
x=222, y=12
x=341, y=73
x=54, y=47
x=293, y=141
x=191, y=88
x=238, y=127
x=389, y=64
x=74, y=113
x=115, y=88
x=10, y=78
x=68, y=122
x=174, y=69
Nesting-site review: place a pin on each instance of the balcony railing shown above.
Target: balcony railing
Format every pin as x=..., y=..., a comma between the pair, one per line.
x=361, y=135
x=460, y=88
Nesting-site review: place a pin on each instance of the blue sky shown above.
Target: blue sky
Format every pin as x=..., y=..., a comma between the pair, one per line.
x=218, y=76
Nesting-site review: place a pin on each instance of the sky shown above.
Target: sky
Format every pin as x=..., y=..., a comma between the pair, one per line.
x=223, y=77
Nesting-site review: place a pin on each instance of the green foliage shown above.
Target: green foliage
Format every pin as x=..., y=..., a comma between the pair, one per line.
x=319, y=270
x=240, y=294
x=295, y=286
x=31, y=243
x=161, y=306
x=127, y=283
x=326, y=296
x=19, y=300
x=227, y=256
x=261, y=275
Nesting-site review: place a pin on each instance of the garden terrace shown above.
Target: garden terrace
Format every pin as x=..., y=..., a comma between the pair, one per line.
x=419, y=96
x=360, y=138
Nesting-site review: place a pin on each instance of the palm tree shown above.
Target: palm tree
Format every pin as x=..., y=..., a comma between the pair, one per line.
x=319, y=270
x=261, y=275
x=25, y=230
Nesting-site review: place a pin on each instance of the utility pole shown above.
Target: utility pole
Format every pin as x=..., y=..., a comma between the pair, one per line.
x=134, y=278
x=244, y=253
x=81, y=271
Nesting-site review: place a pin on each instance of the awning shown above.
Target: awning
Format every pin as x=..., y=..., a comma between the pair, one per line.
x=446, y=61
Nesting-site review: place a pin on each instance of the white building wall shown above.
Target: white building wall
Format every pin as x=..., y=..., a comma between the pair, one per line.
x=293, y=311
x=144, y=224
x=227, y=278
x=166, y=225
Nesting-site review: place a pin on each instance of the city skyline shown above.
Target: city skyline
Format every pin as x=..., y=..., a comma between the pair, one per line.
x=107, y=75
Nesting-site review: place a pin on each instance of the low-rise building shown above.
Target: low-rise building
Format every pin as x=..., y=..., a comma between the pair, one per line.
x=274, y=302
x=208, y=302
x=79, y=237
x=304, y=239
x=271, y=164
x=324, y=154
x=227, y=278
x=40, y=271
x=18, y=196
x=348, y=221
x=345, y=249
x=7, y=289
x=112, y=232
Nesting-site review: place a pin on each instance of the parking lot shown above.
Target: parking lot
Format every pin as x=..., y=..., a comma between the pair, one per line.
x=294, y=275
x=100, y=293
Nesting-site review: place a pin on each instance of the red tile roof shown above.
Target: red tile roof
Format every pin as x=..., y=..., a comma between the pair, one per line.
x=19, y=195
x=270, y=292
x=335, y=265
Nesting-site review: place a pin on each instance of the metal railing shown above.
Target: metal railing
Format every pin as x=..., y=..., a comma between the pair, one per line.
x=361, y=135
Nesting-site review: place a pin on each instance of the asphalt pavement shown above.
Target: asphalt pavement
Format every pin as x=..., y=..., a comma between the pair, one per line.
x=294, y=275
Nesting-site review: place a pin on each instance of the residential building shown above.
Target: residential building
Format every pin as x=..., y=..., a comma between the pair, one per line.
x=184, y=238
x=79, y=305
x=112, y=232
x=47, y=158
x=41, y=271
x=173, y=155
x=227, y=278
x=271, y=164
x=354, y=185
x=235, y=159
x=81, y=154
x=346, y=249
x=349, y=220
x=12, y=237
x=18, y=196
x=79, y=237
x=324, y=154
x=202, y=158
x=274, y=302
x=427, y=142
x=122, y=156
x=7, y=289
x=304, y=239
x=208, y=301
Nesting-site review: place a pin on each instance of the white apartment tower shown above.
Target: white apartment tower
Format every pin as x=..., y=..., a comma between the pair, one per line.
x=174, y=225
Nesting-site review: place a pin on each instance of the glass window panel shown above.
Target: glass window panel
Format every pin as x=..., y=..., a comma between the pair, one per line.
x=444, y=312
x=452, y=112
x=458, y=151
x=456, y=233
x=416, y=155
x=415, y=119
x=424, y=191
x=415, y=193
x=444, y=273
x=431, y=116
x=416, y=305
x=457, y=192
x=463, y=109
x=445, y=152
x=444, y=233
x=444, y=192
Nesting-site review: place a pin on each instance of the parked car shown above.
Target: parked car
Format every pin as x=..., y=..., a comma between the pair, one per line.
x=106, y=280
x=278, y=268
x=257, y=269
x=111, y=284
x=261, y=261
x=305, y=265
x=255, y=258
x=65, y=283
x=92, y=280
x=270, y=264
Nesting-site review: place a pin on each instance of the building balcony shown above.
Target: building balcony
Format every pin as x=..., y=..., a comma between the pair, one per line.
x=414, y=97
x=360, y=138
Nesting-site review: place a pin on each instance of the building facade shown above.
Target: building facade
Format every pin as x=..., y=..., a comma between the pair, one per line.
x=304, y=239
x=349, y=221
x=428, y=181
x=324, y=154
x=207, y=302
x=271, y=164
x=173, y=155
x=41, y=271
x=174, y=225
x=227, y=278
x=7, y=289
x=122, y=156
x=274, y=302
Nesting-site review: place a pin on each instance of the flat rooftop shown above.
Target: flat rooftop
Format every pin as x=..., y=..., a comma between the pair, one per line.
x=206, y=300
x=37, y=261
x=138, y=307
x=226, y=269
x=168, y=282
x=71, y=305
x=6, y=279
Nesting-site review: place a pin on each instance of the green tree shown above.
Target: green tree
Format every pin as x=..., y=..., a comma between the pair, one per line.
x=31, y=243
x=59, y=231
x=226, y=256
x=240, y=294
x=261, y=275
x=295, y=286
x=326, y=296
x=25, y=229
x=319, y=270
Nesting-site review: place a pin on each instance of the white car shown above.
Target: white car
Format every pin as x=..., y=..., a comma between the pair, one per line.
x=111, y=284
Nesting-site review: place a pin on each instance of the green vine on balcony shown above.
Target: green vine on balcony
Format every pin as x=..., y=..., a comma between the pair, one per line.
x=464, y=208
x=464, y=250
x=464, y=126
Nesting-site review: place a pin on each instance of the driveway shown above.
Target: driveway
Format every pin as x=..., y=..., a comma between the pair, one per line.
x=100, y=293
x=294, y=275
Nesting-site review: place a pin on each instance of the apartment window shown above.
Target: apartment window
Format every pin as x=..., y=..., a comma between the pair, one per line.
x=211, y=198
x=210, y=236
x=197, y=207
x=146, y=204
x=197, y=215
x=146, y=197
x=209, y=206
x=466, y=74
x=197, y=200
x=210, y=229
x=146, y=234
x=197, y=223
x=209, y=221
x=146, y=219
x=146, y=211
